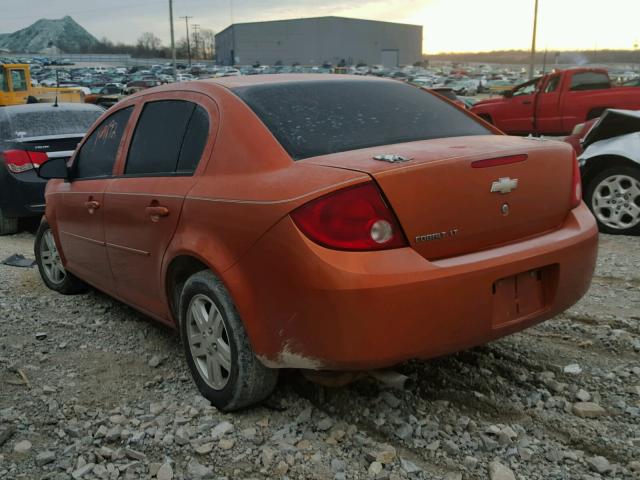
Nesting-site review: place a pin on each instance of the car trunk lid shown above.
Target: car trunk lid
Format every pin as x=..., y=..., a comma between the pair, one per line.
x=443, y=195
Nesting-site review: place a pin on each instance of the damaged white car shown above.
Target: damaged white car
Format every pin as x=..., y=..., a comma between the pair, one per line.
x=610, y=167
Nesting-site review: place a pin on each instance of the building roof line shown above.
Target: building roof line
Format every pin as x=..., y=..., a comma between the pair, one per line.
x=326, y=17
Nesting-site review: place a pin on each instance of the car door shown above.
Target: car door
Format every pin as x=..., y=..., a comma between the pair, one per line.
x=548, y=111
x=144, y=203
x=521, y=108
x=80, y=208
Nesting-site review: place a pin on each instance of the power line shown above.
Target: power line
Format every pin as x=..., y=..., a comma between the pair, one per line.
x=186, y=22
x=195, y=39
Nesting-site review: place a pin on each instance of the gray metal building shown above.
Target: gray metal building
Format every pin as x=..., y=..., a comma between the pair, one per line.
x=314, y=41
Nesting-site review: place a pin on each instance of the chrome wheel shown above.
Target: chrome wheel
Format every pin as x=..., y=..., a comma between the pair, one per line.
x=208, y=341
x=616, y=202
x=50, y=258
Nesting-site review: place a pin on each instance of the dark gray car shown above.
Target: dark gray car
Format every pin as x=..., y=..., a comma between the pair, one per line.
x=29, y=135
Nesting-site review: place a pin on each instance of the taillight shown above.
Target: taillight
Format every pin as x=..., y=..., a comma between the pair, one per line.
x=576, y=190
x=355, y=218
x=19, y=161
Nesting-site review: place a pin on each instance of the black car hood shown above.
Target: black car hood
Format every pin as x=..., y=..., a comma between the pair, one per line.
x=613, y=123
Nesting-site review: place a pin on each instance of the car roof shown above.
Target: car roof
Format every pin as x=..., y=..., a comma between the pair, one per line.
x=251, y=80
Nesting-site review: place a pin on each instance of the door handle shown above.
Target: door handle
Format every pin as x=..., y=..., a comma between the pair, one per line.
x=92, y=205
x=526, y=102
x=157, y=211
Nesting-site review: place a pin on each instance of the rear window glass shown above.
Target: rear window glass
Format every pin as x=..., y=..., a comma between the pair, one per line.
x=590, y=81
x=170, y=137
x=53, y=121
x=314, y=118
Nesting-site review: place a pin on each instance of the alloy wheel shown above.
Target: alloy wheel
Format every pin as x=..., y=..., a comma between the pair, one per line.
x=50, y=258
x=616, y=202
x=208, y=341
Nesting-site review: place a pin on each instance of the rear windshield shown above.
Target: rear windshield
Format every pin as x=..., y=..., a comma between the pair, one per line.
x=54, y=121
x=312, y=118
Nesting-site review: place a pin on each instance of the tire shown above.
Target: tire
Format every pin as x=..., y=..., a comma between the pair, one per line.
x=8, y=226
x=621, y=185
x=50, y=265
x=217, y=349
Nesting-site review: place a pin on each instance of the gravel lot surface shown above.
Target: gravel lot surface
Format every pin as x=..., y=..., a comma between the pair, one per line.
x=91, y=389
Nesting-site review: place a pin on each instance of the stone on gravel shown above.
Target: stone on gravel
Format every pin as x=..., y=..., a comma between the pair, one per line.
x=599, y=464
x=583, y=395
x=375, y=468
x=384, y=454
x=155, y=361
x=22, y=446
x=165, y=472
x=324, y=424
x=390, y=399
x=572, y=369
x=404, y=431
x=267, y=456
x=470, y=462
x=226, y=443
x=498, y=471
x=588, y=410
x=6, y=432
x=44, y=458
x=196, y=470
x=82, y=471
x=221, y=429
x=408, y=466
x=204, y=448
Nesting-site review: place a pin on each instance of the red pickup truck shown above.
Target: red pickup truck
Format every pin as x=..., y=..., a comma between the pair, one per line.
x=555, y=103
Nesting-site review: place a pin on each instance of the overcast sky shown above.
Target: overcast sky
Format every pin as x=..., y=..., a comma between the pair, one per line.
x=449, y=25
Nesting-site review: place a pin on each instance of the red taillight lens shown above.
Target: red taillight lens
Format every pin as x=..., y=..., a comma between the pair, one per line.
x=576, y=190
x=19, y=161
x=356, y=218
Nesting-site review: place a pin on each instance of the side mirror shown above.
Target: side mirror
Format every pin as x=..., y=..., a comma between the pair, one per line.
x=507, y=93
x=54, y=168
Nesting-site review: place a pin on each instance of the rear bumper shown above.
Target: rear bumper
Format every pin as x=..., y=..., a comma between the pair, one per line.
x=21, y=195
x=305, y=306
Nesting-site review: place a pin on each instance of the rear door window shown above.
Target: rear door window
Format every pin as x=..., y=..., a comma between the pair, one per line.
x=311, y=118
x=98, y=154
x=169, y=138
x=590, y=81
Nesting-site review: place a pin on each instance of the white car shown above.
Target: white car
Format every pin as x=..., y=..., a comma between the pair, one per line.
x=610, y=168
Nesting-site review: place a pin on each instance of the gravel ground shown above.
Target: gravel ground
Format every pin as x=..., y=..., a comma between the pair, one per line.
x=91, y=389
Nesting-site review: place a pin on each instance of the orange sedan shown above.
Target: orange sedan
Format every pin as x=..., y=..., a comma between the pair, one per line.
x=315, y=222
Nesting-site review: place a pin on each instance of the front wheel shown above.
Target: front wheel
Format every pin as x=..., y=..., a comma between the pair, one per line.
x=217, y=349
x=50, y=265
x=614, y=198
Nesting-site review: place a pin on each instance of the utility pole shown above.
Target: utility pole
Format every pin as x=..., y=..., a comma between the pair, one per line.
x=173, y=41
x=533, y=42
x=196, y=37
x=186, y=22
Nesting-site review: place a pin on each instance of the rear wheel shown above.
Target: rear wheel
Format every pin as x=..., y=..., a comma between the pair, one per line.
x=50, y=265
x=8, y=225
x=217, y=349
x=614, y=198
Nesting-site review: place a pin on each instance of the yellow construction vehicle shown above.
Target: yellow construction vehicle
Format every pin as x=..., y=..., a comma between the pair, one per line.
x=16, y=89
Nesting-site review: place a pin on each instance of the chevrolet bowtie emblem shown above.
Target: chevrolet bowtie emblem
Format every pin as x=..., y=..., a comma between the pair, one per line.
x=504, y=185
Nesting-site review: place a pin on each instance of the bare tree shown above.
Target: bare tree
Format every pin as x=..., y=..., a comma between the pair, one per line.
x=207, y=42
x=148, y=41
